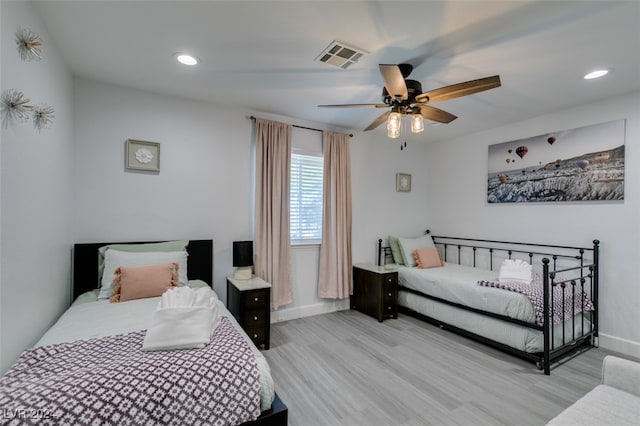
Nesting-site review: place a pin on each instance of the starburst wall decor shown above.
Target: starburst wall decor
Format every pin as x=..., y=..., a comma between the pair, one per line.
x=42, y=116
x=14, y=107
x=29, y=44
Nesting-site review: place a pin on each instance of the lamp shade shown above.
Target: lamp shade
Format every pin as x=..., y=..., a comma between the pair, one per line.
x=417, y=123
x=242, y=253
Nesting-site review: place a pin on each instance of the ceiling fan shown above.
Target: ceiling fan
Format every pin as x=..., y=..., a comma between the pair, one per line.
x=404, y=97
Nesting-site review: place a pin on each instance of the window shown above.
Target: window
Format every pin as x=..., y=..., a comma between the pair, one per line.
x=306, y=198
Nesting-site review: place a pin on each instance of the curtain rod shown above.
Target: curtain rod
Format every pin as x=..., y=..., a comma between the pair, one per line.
x=302, y=127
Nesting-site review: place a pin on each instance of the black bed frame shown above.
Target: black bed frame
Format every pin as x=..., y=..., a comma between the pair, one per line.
x=581, y=276
x=199, y=267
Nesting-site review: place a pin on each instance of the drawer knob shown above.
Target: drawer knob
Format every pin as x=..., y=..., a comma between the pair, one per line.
x=255, y=336
x=389, y=279
x=389, y=294
x=255, y=318
x=389, y=307
x=255, y=299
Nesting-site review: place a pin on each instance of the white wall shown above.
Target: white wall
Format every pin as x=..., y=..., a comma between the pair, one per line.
x=457, y=179
x=204, y=188
x=36, y=193
x=378, y=210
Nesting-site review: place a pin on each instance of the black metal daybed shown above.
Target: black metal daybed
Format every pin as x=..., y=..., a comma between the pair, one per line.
x=566, y=271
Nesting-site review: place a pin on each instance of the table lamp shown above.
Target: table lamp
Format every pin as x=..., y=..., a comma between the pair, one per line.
x=243, y=259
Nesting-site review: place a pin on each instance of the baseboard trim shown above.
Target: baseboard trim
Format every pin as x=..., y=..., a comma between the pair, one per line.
x=309, y=310
x=618, y=344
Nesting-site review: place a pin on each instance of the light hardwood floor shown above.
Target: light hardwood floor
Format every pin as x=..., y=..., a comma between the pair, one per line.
x=345, y=368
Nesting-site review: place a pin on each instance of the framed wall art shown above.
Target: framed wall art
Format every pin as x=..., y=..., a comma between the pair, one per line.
x=142, y=155
x=403, y=182
x=581, y=164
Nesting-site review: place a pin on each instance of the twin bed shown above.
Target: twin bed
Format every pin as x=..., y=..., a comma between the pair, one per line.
x=89, y=367
x=556, y=314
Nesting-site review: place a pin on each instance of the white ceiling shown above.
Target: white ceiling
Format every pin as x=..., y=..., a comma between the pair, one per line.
x=261, y=54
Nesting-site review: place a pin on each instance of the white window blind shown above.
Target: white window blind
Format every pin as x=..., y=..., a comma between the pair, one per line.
x=306, y=198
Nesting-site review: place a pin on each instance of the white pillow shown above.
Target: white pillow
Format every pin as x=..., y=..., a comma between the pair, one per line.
x=515, y=270
x=408, y=245
x=113, y=259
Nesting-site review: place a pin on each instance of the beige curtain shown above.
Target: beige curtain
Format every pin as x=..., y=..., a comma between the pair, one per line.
x=273, y=247
x=335, y=253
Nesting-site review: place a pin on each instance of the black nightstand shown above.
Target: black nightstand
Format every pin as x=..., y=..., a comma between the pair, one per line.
x=375, y=291
x=250, y=303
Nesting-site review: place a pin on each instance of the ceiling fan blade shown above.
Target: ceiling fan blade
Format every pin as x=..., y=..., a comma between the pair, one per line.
x=435, y=114
x=355, y=106
x=378, y=121
x=394, y=81
x=460, y=89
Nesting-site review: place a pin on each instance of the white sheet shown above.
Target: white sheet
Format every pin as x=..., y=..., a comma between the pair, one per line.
x=88, y=317
x=459, y=284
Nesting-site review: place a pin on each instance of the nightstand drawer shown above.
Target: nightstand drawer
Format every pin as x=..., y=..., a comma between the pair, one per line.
x=256, y=334
x=256, y=318
x=388, y=295
x=255, y=298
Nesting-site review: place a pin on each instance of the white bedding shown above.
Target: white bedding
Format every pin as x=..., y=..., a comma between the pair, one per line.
x=459, y=284
x=88, y=318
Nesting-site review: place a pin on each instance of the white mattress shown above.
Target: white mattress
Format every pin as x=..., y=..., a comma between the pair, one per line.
x=459, y=284
x=88, y=318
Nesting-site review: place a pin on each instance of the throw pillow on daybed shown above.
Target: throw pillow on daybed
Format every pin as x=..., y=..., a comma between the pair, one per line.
x=515, y=270
x=428, y=258
x=409, y=245
x=396, y=252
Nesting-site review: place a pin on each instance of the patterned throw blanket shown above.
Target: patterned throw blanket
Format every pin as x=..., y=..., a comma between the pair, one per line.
x=110, y=380
x=573, y=303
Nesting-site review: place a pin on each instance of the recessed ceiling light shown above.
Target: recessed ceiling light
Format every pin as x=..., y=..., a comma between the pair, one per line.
x=596, y=74
x=185, y=59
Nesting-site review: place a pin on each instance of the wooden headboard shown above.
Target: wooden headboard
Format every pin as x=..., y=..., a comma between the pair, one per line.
x=85, y=263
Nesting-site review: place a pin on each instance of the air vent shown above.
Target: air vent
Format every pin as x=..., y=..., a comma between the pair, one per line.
x=340, y=55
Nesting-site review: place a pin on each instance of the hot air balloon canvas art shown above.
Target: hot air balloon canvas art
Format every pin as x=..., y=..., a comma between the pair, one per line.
x=581, y=164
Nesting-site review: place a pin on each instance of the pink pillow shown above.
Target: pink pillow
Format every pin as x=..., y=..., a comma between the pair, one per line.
x=140, y=282
x=427, y=258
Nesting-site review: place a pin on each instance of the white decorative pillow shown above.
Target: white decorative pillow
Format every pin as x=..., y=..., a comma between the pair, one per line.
x=515, y=270
x=409, y=245
x=113, y=259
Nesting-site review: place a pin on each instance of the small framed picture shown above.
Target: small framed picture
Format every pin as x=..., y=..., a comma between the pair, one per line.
x=142, y=155
x=403, y=182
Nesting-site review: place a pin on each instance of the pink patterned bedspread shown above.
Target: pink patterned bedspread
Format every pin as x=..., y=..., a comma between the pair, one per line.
x=110, y=380
x=573, y=303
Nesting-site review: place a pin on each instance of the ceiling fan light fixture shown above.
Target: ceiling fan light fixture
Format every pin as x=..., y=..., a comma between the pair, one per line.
x=417, y=123
x=393, y=133
x=394, y=121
